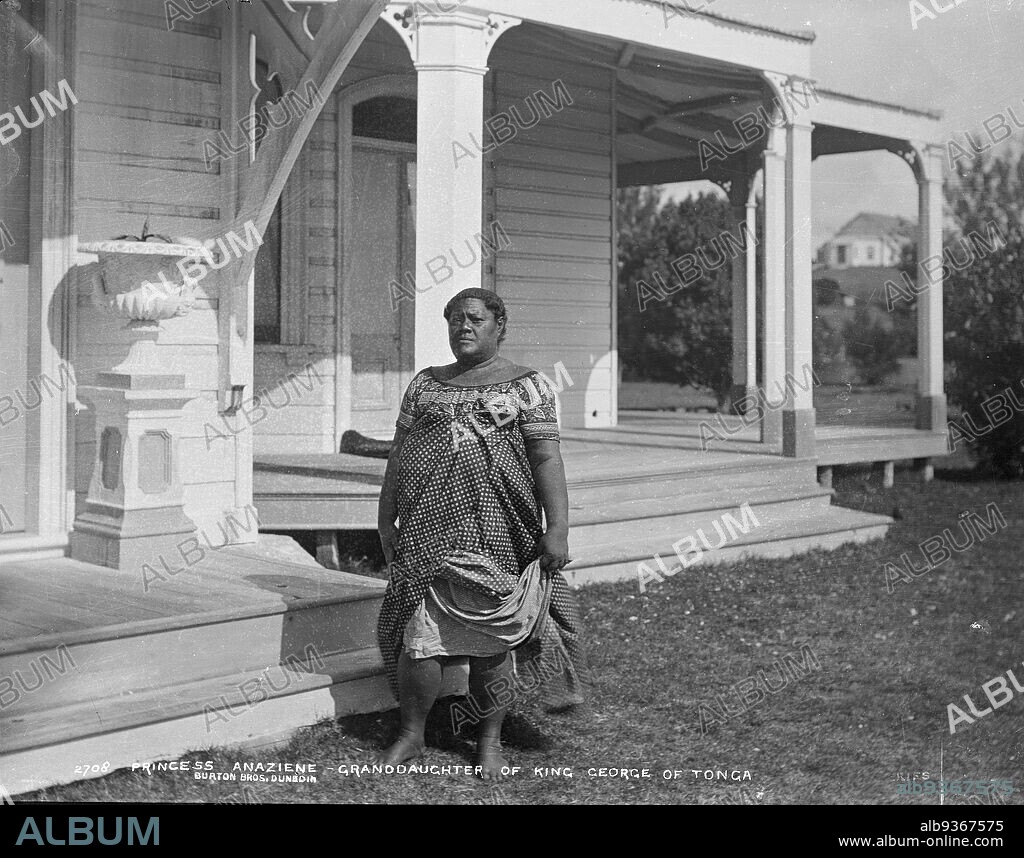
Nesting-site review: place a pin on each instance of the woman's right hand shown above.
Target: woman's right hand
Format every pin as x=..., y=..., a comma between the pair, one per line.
x=388, y=541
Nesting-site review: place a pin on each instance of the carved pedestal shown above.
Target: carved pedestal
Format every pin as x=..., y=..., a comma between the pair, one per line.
x=134, y=512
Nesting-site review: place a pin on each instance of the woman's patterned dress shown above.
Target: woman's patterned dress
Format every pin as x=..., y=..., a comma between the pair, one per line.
x=469, y=519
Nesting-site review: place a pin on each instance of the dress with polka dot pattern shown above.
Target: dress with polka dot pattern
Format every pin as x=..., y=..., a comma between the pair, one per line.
x=465, y=489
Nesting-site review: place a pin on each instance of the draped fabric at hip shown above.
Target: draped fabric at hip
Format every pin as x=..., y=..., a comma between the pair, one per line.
x=507, y=608
x=469, y=518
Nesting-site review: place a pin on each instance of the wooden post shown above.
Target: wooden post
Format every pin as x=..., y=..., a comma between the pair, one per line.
x=773, y=316
x=327, y=554
x=931, y=398
x=750, y=271
x=743, y=376
x=888, y=474
x=798, y=414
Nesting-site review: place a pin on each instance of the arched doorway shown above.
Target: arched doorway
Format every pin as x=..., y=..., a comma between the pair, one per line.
x=377, y=137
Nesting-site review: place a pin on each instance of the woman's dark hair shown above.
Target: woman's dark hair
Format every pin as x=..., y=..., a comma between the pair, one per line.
x=491, y=301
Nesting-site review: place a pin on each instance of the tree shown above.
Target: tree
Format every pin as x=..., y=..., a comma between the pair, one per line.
x=904, y=311
x=984, y=312
x=671, y=330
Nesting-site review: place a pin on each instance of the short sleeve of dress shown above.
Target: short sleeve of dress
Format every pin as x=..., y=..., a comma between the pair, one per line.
x=409, y=411
x=538, y=416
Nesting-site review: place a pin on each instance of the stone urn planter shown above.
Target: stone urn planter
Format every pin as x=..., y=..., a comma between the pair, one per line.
x=142, y=283
x=134, y=510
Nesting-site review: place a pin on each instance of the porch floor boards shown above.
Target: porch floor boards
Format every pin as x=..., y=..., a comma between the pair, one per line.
x=835, y=443
x=318, y=491
x=842, y=445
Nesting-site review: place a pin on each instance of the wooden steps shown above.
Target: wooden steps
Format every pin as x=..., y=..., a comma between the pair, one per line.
x=252, y=709
x=653, y=499
x=123, y=660
x=165, y=723
x=267, y=643
x=783, y=530
x=323, y=492
x=616, y=525
x=220, y=698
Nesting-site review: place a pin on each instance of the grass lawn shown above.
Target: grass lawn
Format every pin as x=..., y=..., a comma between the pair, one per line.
x=843, y=733
x=662, y=396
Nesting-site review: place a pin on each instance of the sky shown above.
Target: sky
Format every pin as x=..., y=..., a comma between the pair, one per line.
x=967, y=62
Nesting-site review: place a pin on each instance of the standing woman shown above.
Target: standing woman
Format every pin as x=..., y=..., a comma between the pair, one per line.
x=474, y=571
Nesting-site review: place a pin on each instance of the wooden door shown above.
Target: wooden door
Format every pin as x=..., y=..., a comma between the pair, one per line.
x=378, y=243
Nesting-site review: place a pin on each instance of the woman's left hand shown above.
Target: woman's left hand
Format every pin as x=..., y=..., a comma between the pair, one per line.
x=553, y=549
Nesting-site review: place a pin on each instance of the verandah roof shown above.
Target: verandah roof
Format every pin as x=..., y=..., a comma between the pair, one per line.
x=667, y=103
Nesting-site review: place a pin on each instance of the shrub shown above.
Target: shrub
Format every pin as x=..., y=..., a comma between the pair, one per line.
x=872, y=346
x=827, y=343
x=826, y=291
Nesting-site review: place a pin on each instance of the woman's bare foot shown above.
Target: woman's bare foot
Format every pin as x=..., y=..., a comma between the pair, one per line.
x=490, y=760
x=406, y=747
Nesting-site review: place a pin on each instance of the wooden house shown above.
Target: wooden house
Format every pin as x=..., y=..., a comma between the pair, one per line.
x=324, y=176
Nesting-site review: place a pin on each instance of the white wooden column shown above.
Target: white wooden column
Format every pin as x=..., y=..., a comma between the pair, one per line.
x=773, y=314
x=931, y=397
x=798, y=413
x=744, y=335
x=235, y=306
x=53, y=313
x=449, y=50
x=751, y=289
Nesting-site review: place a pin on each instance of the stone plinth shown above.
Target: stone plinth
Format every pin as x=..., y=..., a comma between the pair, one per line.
x=134, y=512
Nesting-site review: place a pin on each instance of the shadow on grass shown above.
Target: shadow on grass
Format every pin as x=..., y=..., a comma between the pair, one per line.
x=376, y=730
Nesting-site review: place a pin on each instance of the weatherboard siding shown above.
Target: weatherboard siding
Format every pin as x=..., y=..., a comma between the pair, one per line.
x=148, y=99
x=550, y=188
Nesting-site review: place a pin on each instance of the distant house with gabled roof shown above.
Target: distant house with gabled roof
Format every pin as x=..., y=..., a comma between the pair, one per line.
x=869, y=240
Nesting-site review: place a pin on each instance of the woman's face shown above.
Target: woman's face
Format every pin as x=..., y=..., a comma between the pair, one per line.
x=473, y=331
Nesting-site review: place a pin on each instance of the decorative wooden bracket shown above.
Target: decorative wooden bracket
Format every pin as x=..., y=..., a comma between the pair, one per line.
x=925, y=159
x=344, y=27
x=787, y=91
x=407, y=17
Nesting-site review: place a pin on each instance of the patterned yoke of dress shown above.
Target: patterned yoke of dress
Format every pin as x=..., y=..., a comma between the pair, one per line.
x=469, y=520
